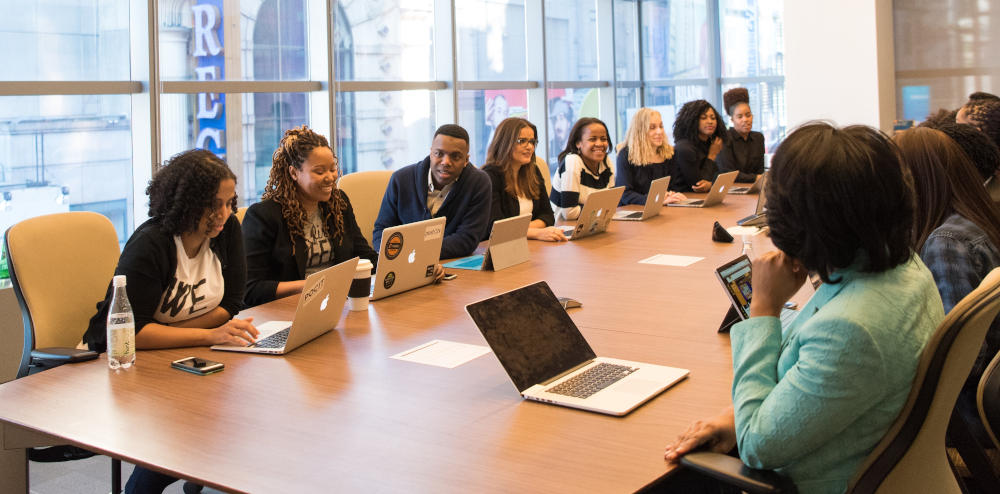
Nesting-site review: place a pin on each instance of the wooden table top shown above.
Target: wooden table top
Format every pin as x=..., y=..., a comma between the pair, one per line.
x=339, y=414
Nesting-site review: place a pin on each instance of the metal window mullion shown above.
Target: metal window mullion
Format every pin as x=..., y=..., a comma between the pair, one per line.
x=45, y=88
x=232, y=56
x=363, y=86
x=495, y=85
x=237, y=87
x=715, y=55
x=576, y=84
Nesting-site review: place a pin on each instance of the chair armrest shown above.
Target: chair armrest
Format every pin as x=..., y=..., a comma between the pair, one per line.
x=53, y=356
x=732, y=471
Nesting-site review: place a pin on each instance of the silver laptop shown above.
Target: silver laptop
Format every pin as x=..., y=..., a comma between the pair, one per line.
x=735, y=277
x=759, y=217
x=654, y=202
x=715, y=196
x=321, y=304
x=407, y=257
x=508, y=246
x=596, y=213
x=754, y=188
x=548, y=359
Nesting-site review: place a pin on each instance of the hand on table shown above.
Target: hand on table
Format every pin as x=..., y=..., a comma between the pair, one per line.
x=547, y=234
x=776, y=277
x=234, y=332
x=717, y=434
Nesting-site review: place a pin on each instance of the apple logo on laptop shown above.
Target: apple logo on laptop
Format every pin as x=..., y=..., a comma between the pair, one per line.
x=722, y=188
x=322, y=304
x=657, y=199
x=413, y=256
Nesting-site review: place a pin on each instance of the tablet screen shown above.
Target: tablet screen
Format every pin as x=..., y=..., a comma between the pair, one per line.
x=735, y=277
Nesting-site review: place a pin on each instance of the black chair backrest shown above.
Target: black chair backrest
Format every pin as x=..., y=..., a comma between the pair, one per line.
x=988, y=399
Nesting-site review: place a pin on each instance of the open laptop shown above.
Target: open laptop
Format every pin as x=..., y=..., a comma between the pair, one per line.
x=715, y=196
x=508, y=246
x=407, y=257
x=754, y=188
x=321, y=304
x=735, y=277
x=654, y=202
x=548, y=359
x=596, y=213
x=759, y=217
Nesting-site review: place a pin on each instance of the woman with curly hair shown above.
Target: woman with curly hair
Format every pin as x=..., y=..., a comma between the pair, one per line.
x=518, y=186
x=743, y=151
x=584, y=167
x=303, y=223
x=698, y=138
x=644, y=157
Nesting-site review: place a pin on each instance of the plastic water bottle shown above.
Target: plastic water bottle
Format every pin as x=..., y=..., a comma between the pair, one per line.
x=121, y=328
x=747, y=247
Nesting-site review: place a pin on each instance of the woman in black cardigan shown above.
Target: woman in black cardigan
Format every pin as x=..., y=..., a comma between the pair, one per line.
x=518, y=186
x=303, y=223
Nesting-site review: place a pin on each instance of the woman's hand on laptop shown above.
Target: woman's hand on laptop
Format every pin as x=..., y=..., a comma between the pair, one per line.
x=717, y=434
x=673, y=198
x=547, y=234
x=234, y=332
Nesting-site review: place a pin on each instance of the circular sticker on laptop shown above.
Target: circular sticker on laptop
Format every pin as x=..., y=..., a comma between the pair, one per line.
x=390, y=279
x=393, y=246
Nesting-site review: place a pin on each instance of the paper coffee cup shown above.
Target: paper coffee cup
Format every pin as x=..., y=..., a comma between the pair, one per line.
x=357, y=296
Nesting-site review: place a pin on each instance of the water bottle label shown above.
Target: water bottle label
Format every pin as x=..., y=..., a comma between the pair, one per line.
x=122, y=339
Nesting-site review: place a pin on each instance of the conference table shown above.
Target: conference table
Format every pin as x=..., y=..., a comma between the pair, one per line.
x=338, y=414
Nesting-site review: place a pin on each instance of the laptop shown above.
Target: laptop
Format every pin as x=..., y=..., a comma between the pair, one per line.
x=715, y=196
x=759, y=217
x=548, y=359
x=320, y=306
x=407, y=257
x=596, y=213
x=508, y=246
x=735, y=277
x=654, y=202
x=754, y=188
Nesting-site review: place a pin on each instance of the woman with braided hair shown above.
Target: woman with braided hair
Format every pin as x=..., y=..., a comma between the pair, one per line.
x=303, y=223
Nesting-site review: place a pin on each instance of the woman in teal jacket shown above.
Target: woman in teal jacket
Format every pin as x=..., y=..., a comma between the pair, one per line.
x=812, y=400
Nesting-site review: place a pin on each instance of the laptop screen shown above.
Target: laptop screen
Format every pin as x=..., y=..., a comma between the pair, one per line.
x=735, y=277
x=531, y=334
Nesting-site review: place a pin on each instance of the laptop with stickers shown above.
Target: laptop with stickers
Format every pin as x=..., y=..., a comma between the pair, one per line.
x=407, y=257
x=654, y=202
x=321, y=304
x=596, y=214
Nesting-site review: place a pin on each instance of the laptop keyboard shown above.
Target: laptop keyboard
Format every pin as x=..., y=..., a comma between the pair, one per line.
x=592, y=380
x=276, y=340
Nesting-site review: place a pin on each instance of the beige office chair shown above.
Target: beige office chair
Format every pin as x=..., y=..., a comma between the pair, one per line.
x=60, y=266
x=240, y=213
x=365, y=190
x=988, y=400
x=911, y=457
x=546, y=174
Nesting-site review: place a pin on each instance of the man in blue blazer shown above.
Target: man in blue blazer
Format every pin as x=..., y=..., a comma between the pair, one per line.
x=440, y=185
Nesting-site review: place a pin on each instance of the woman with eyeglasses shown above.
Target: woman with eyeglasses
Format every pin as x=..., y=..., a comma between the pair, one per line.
x=518, y=185
x=584, y=167
x=303, y=223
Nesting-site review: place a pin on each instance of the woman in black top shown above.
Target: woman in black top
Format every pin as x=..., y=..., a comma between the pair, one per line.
x=698, y=137
x=303, y=223
x=644, y=156
x=743, y=151
x=518, y=186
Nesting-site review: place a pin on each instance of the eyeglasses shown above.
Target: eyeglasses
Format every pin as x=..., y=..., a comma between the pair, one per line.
x=522, y=141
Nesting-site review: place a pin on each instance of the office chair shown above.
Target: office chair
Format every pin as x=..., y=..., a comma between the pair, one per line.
x=543, y=167
x=911, y=456
x=60, y=267
x=240, y=213
x=988, y=399
x=365, y=190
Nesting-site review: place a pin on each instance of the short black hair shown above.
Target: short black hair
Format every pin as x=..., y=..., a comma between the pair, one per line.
x=978, y=146
x=686, y=123
x=184, y=189
x=982, y=95
x=840, y=196
x=576, y=134
x=452, y=130
x=935, y=120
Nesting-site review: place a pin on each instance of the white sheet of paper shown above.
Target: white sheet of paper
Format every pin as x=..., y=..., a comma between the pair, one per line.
x=737, y=230
x=671, y=260
x=448, y=354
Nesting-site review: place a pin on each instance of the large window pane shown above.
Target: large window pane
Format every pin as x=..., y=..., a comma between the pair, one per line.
x=752, y=43
x=628, y=103
x=571, y=40
x=767, y=102
x=675, y=39
x=65, y=40
x=480, y=112
x=565, y=107
x=668, y=100
x=66, y=153
x=491, y=44
x=383, y=130
x=387, y=40
x=626, y=40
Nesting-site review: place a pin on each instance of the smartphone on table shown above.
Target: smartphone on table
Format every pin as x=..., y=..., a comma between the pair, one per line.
x=197, y=365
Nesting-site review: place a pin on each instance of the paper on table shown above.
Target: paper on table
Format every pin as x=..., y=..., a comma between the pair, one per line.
x=737, y=231
x=442, y=353
x=671, y=260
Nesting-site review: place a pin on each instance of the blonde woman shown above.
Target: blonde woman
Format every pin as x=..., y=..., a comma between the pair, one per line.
x=643, y=157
